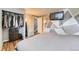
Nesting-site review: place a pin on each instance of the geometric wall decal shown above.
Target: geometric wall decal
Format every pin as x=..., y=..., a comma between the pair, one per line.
x=67, y=16
x=53, y=31
x=56, y=23
x=60, y=31
x=53, y=26
x=77, y=18
x=74, y=11
x=71, y=21
x=68, y=26
x=49, y=24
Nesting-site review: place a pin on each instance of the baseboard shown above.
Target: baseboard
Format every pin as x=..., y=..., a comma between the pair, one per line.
x=5, y=40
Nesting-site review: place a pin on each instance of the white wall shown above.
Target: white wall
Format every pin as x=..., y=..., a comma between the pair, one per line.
x=0, y=30
x=4, y=33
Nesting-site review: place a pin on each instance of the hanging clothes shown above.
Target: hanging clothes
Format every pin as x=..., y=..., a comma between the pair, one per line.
x=9, y=21
x=12, y=20
x=16, y=22
x=5, y=21
x=21, y=21
x=18, y=19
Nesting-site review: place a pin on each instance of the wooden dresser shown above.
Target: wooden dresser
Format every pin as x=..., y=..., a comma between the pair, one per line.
x=13, y=34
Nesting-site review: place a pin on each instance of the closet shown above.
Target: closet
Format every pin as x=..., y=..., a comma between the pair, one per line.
x=12, y=21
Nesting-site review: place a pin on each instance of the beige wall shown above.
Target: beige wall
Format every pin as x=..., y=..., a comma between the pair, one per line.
x=45, y=21
x=40, y=24
x=30, y=24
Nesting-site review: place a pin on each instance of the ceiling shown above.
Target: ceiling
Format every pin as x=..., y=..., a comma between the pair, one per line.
x=41, y=11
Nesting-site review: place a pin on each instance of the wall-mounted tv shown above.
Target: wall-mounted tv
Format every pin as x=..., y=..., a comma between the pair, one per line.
x=57, y=15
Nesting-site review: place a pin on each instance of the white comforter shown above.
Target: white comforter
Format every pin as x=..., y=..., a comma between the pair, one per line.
x=49, y=42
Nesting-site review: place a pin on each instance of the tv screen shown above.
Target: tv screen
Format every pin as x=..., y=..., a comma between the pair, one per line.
x=57, y=16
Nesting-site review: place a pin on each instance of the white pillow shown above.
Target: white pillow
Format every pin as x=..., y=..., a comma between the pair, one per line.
x=71, y=29
x=60, y=31
x=76, y=33
x=47, y=30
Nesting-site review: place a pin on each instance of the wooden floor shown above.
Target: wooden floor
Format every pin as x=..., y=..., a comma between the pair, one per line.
x=10, y=46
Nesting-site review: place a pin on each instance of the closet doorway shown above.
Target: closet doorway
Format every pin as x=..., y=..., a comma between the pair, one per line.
x=35, y=25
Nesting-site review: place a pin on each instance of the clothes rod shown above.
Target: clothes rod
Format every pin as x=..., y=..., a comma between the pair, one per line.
x=12, y=12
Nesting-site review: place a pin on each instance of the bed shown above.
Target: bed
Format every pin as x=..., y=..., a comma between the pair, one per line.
x=49, y=42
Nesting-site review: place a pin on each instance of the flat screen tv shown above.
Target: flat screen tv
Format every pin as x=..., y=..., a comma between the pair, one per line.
x=57, y=15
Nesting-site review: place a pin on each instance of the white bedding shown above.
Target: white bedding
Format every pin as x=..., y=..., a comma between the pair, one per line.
x=49, y=42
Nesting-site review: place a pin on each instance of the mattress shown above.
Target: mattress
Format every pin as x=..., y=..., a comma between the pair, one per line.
x=49, y=42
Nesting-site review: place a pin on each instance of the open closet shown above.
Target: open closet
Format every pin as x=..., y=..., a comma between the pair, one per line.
x=12, y=22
